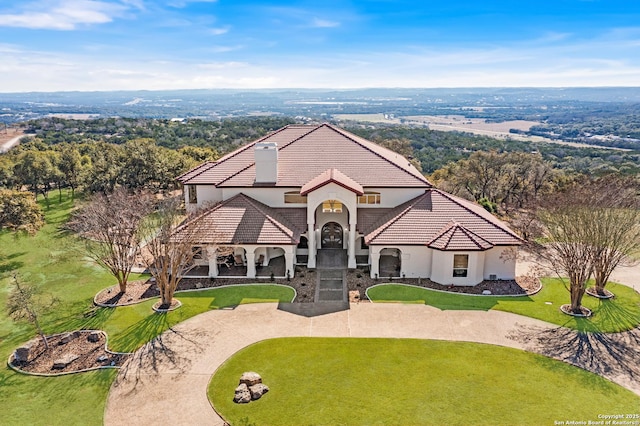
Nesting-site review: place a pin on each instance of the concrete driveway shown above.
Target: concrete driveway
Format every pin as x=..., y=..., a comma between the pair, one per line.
x=166, y=381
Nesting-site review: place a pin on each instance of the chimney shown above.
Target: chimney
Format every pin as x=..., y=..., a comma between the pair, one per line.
x=266, y=157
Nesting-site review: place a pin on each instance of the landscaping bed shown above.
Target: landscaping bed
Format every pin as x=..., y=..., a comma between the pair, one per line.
x=67, y=353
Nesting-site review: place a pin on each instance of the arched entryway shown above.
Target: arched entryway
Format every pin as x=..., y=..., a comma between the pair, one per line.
x=331, y=236
x=390, y=262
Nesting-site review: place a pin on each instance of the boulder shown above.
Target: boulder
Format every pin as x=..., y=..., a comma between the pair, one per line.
x=102, y=358
x=250, y=378
x=67, y=359
x=23, y=353
x=94, y=336
x=486, y=292
x=242, y=394
x=258, y=390
x=68, y=337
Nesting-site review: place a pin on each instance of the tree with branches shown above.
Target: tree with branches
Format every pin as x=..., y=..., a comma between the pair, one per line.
x=25, y=303
x=170, y=247
x=110, y=226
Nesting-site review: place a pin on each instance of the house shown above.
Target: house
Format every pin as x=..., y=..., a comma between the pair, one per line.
x=307, y=190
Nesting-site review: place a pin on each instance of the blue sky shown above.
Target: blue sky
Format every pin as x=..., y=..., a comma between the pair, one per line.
x=51, y=45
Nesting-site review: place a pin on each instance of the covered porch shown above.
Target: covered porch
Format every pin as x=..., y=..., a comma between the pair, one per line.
x=276, y=265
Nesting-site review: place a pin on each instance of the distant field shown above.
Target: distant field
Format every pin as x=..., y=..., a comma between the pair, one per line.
x=459, y=123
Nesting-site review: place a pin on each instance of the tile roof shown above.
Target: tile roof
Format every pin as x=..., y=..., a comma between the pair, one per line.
x=244, y=220
x=456, y=237
x=426, y=220
x=304, y=152
x=332, y=176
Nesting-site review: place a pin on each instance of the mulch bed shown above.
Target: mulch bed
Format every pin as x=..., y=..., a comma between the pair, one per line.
x=90, y=355
x=304, y=283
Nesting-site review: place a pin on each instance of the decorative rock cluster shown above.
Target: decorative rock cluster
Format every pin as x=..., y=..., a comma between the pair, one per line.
x=250, y=388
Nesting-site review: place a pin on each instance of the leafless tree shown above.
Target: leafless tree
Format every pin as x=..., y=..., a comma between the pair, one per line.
x=26, y=303
x=110, y=227
x=170, y=247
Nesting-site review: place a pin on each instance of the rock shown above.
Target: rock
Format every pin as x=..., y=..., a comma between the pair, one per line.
x=258, y=390
x=67, y=359
x=68, y=337
x=103, y=358
x=242, y=394
x=199, y=285
x=23, y=353
x=94, y=336
x=250, y=378
x=486, y=292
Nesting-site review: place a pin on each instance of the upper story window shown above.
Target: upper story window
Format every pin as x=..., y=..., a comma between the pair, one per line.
x=369, y=198
x=332, y=206
x=294, y=197
x=460, y=265
x=193, y=194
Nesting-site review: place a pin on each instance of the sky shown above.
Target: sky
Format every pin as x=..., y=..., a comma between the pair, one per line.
x=88, y=45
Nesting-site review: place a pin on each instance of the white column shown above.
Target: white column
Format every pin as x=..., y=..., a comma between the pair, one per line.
x=351, y=249
x=311, y=240
x=288, y=261
x=404, y=261
x=251, y=263
x=374, y=258
x=212, y=256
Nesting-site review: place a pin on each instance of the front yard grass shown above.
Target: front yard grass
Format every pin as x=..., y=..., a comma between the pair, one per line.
x=618, y=314
x=53, y=261
x=354, y=381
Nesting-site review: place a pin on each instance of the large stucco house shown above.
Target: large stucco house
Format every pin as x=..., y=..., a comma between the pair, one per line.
x=302, y=189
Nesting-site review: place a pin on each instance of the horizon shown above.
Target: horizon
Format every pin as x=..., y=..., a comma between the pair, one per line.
x=164, y=45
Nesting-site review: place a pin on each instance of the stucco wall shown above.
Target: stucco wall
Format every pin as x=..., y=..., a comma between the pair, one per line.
x=442, y=268
x=207, y=194
x=392, y=197
x=500, y=261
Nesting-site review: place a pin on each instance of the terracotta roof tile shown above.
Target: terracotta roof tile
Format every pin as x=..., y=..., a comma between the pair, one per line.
x=456, y=237
x=244, y=220
x=304, y=152
x=332, y=176
x=421, y=220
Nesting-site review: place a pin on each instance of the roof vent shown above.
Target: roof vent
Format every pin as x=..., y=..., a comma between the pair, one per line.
x=266, y=158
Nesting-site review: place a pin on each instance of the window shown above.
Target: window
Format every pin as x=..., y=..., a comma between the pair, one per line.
x=193, y=194
x=332, y=206
x=294, y=197
x=460, y=265
x=197, y=253
x=369, y=198
x=304, y=243
x=363, y=245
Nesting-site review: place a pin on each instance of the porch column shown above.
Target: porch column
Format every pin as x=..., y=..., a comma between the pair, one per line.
x=374, y=258
x=251, y=263
x=288, y=262
x=212, y=256
x=351, y=249
x=311, y=237
x=404, y=260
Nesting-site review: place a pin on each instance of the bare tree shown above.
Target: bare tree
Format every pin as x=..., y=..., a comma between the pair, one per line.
x=170, y=247
x=26, y=303
x=615, y=211
x=110, y=227
x=567, y=250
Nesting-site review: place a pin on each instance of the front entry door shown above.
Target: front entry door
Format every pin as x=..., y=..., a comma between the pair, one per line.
x=332, y=235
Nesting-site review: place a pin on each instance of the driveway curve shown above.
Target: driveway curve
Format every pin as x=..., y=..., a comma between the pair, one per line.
x=166, y=380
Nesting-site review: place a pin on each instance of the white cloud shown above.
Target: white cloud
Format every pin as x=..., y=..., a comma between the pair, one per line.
x=324, y=23
x=179, y=4
x=218, y=31
x=63, y=14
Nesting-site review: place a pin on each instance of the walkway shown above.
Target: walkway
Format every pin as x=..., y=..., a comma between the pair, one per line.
x=166, y=381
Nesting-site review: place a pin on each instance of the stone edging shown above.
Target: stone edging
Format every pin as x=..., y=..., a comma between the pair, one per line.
x=591, y=292
x=455, y=292
x=103, y=367
x=104, y=305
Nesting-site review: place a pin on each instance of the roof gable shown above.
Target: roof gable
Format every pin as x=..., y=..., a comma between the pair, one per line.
x=427, y=219
x=244, y=220
x=304, y=152
x=332, y=176
x=456, y=237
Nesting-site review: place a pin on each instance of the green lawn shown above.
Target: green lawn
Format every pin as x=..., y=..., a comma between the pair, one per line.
x=331, y=381
x=53, y=261
x=618, y=314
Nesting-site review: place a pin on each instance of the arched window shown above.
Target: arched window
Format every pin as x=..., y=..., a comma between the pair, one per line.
x=369, y=198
